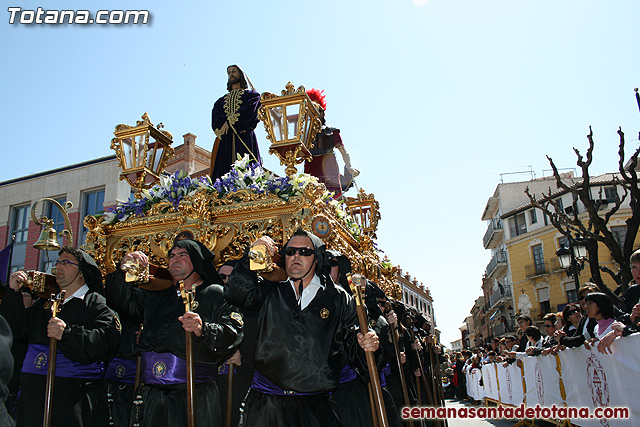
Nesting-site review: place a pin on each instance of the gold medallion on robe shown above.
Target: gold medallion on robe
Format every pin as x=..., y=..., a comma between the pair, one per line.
x=237, y=317
x=324, y=313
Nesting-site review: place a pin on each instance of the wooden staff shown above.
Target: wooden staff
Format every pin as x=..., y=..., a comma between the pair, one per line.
x=188, y=300
x=51, y=368
x=396, y=347
x=355, y=283
x=374, y=412
x=421, y=367
x=229, y=394
x=136, y=382
x=436, y=380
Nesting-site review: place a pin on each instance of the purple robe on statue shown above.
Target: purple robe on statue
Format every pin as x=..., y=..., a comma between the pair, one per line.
x=240, y=108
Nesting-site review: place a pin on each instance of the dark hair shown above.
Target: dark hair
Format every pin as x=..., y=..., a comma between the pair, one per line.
x=603, y=302
x=243, y=83
x=550, y=316
x=565, y=312
x=587, y=288
x=533, y=332
x=73, y=251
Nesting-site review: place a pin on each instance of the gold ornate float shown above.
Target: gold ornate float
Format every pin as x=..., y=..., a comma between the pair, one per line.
x=229, y=214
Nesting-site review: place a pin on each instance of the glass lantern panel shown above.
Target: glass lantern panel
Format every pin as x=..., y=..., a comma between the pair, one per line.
x=307, y=128
x=293, y=113
x=580, y=250
x=565, y=260
x=138, y=157
x=127, y=152
x=277, y=119
x=151, y=152
x=158, y=157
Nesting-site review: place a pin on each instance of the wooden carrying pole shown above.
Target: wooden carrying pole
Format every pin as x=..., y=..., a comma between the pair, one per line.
x=229, y=394
x=396, y=347
x=355, y=282
x=51, y=368
x=138, y=378
x=438, y=393
x=430, y=398
x=187, y=299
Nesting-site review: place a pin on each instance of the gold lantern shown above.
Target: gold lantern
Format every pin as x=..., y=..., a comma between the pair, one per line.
x=143, y=152
x=364, y=210
x=291, y=122
x=48, y=240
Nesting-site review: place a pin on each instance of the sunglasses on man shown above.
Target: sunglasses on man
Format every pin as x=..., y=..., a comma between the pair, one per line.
x=291, y=251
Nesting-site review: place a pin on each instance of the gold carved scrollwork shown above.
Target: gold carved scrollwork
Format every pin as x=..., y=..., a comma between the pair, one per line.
x=228, y=225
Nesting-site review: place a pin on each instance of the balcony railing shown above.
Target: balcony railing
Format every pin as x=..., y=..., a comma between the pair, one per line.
x=496, y=296
x=499, y=329
x=493, y=231
x=533, y=270
x=499, y=259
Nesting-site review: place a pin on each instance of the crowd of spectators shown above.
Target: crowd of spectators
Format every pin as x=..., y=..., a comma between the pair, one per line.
x=594, y=321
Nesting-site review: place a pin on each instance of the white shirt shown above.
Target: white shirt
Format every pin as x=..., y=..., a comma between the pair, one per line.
x=80, y=293
x=308, y=293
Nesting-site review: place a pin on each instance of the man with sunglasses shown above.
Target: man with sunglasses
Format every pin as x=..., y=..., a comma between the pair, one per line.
x=87, y=334
x=306, y=325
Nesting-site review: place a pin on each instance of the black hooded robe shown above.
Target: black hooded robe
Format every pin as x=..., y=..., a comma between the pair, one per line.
x=299, y=351
x=163, y=333
x=91, y=336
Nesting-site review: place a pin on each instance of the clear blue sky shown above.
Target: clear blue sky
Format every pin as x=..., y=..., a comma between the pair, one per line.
x=434, y=100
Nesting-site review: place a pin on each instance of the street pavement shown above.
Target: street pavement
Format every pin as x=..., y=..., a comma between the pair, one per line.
x=457, y=422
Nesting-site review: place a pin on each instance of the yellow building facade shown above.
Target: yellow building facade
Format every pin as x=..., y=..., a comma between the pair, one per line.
x=540, y=284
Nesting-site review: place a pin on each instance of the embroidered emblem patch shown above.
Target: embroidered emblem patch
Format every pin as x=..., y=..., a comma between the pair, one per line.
x=237, y=317
x=40, y=360
x=120, y=371
x=118, y=324
x=372, y=323
x=159, y=369
x=47, y=305
x=324, y=313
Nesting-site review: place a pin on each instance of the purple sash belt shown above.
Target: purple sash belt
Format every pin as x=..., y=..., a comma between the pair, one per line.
x=263, y=385
x=347, y=374
x=121, y=371
x=37, y=362
x=384, y=372
x=168, y=369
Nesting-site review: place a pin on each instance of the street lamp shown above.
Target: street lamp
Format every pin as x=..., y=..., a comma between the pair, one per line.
x=572, y=257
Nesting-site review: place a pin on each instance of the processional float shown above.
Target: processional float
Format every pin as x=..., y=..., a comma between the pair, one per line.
x=231, y=213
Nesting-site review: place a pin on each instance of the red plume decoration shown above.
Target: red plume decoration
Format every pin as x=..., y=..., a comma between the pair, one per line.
x=317, y=96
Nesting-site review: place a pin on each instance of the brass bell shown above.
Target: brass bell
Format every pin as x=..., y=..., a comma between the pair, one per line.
x=48, y=240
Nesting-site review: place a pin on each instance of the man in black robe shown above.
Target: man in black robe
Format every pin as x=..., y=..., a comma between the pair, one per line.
x=233, y=119
x=217, y=331
x=87, y=332
x=305, y=324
